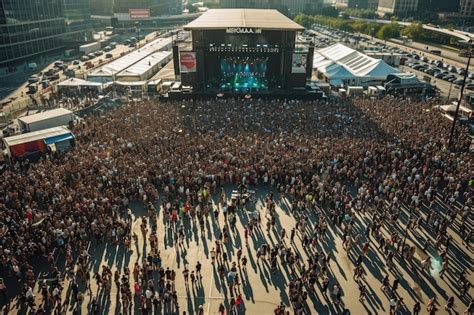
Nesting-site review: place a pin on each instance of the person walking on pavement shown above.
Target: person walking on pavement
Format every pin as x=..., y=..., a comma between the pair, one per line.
x=449, y=304
x=416, y=308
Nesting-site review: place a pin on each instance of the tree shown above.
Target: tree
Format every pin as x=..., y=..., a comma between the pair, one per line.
x=304, y=20
x=191, y=8
x=413, y=31
x=387, y=31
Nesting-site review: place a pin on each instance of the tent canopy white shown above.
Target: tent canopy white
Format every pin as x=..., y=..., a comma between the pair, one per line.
x=341, y=62
x=108, y=71
x=75, y=82
x=143, y=69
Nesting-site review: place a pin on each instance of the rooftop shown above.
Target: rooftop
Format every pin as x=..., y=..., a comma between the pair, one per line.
x=254, y=18
x=36, y=135
x=45, y=115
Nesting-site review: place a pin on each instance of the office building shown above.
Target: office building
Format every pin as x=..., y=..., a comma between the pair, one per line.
x=372, y=4
x=289, y=7
x=28, y=28
x=101, y=7
x=77, y=20
x=466, y=10
x=299, y=6
x=397, y=7
x=157, y=7
x=359, y=4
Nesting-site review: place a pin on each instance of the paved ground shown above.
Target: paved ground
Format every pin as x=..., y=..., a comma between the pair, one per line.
x=263, y=290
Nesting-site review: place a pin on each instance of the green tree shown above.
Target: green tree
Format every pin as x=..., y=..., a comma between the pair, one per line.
x=413, y=31
x=191, y=8
x=387, y=31
x=304, y=20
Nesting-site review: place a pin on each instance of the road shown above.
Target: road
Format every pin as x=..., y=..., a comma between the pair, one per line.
x=20, y=94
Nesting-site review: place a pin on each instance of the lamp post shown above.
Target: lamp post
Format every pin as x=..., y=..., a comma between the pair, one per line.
x=450, y=143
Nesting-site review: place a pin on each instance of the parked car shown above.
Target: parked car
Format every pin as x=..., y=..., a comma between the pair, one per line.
x=470, y=86
x=91, y=56
x=33, y=79
x=450, y=78
x=439, y=75
x=452, y=69
x=99, y=53
x=107, y=48
x=84, y=58
x=109, y=55
x=76, y=62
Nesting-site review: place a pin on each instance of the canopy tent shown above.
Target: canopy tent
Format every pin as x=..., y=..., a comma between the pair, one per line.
x=75, y=83
x=145, y=68
x=352, y=67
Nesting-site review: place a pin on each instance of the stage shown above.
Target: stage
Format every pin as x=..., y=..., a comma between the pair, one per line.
x=239, y=52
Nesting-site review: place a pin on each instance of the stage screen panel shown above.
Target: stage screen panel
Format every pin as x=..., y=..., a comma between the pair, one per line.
x=299, y=62
x=244, y=73
x=187, y=61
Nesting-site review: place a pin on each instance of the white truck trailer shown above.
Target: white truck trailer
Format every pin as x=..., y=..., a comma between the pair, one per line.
x=49, y=119
x=89, y=48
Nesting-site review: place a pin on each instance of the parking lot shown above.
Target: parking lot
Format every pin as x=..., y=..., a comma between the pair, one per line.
x=443, y=72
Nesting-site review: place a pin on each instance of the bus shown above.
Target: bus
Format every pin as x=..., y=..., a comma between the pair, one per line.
x=109, y=30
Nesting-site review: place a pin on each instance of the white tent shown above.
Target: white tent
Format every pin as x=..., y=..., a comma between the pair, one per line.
x=145, y=68
x=108, y=72
x=339, y=62
x=78, y=83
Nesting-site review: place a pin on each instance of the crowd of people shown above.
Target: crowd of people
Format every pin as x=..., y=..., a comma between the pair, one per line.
x=375, y=171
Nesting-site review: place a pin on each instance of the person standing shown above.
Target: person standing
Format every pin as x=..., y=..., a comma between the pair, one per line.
x=449, y=304
x=416, y=308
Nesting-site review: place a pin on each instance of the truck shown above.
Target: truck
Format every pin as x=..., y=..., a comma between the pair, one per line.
x=48, y=119
x=89, y=48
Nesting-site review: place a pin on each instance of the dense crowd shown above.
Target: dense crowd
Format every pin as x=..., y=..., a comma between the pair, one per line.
x=341, y=160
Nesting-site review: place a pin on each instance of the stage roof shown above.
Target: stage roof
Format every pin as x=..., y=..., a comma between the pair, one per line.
x=255, y=18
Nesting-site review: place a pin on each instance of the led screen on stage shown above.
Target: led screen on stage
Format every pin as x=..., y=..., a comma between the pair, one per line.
x=243, y=73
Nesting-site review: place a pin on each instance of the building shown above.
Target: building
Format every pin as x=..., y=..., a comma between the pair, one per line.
x=102, y=7
x=77, y=20
x=157, y=7
x=359, y=4
x=397, y=7
x=297, y=6
x=244, y=51
x=439, y=5
x=29, y=28
x=372, y=4
x=466, y=10
x=289, y=7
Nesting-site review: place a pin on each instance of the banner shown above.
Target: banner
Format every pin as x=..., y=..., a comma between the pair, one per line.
x=139, y=13
x=187, y=61
x=299, y=63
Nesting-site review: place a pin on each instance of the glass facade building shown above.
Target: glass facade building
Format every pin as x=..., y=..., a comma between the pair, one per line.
x=32, y=27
